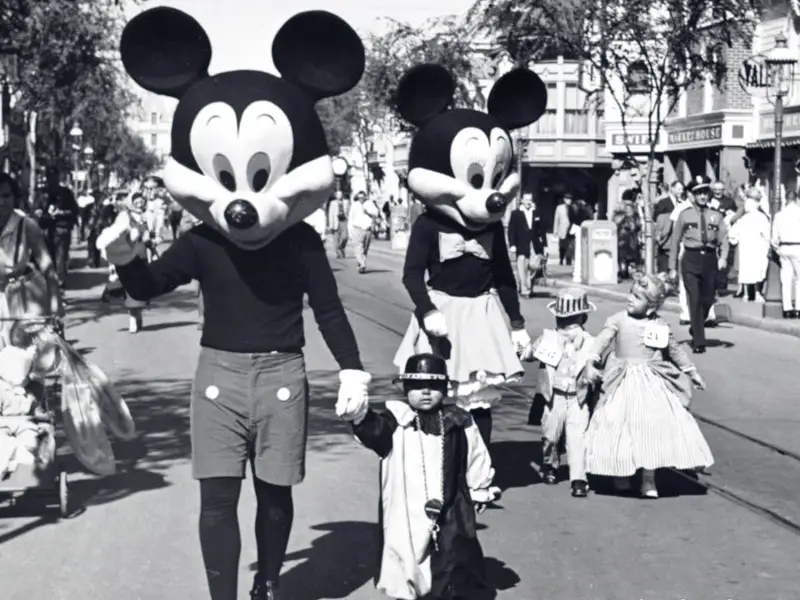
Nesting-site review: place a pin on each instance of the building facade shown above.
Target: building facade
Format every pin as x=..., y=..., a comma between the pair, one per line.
x=152, y=121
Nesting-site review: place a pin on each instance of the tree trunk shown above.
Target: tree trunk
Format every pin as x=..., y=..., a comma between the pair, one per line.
x=647, y=209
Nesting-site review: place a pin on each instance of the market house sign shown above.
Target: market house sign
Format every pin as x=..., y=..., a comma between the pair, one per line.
x=754, y=74
x=700, y=135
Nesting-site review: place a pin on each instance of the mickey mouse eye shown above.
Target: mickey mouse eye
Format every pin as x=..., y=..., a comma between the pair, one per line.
x=224, y=172
x=259, y=168
x=475, y=175
x=499, y=175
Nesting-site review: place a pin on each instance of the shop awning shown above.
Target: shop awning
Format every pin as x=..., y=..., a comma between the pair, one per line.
x=770, y=143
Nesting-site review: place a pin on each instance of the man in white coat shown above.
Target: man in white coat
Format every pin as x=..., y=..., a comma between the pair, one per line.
x=786, y=242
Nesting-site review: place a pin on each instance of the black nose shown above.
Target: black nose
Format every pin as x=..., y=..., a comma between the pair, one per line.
x=496, y=203
x=240, y=214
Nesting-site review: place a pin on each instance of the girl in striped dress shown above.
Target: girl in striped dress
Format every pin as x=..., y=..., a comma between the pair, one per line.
x=642, y=421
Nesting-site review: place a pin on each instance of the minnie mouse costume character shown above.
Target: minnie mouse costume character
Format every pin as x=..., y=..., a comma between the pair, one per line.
x=460, y=165
x=250, y=160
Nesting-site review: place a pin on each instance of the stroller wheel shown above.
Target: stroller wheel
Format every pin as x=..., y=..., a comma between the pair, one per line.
x=63, y=494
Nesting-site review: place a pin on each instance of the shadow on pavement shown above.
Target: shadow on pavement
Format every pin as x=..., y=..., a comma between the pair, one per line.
x=86, y=279
x=512, y=461
x=165, y=325
x=339, y=562
x=500, y=576
x=90, y=309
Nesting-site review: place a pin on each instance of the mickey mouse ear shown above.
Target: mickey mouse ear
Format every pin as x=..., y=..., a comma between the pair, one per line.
x=319, y=52
x=518, y=99
x=165, y=50
x=424, y=92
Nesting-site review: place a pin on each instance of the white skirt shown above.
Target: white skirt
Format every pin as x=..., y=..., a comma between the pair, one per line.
x=482, y=354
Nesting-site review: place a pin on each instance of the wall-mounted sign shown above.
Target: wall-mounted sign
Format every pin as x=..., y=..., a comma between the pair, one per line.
x=698, y=135
x=632, y=139
x=754, y=75
x=791, y=122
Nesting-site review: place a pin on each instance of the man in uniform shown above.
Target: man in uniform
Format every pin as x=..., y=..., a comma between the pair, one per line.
x=703, y=233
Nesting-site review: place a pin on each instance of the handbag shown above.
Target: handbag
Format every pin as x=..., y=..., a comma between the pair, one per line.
x=27, y=294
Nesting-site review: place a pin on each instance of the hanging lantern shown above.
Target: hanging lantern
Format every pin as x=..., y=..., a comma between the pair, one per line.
x=638, y=81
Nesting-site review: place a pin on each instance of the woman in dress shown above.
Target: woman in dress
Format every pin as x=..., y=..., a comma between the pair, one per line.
x=751, y=235
x=641, y=422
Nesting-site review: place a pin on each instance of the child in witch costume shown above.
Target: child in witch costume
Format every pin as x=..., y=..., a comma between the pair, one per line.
x=641, y=421
x=434, y=469
x=562, y=354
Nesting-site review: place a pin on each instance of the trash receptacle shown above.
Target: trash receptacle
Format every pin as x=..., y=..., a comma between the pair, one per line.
x=599, y=253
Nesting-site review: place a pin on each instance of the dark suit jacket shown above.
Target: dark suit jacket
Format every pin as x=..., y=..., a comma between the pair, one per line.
x=522, y=237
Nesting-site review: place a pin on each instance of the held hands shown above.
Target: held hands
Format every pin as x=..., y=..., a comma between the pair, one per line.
x=522, y=344
x=434, y=324
x=722, y=263
x=483, y=498
x=120, y=242
x=591, y=373
x=353, y=401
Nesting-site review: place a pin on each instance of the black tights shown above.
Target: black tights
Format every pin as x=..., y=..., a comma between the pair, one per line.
x=483, y=421
x=752, y=289
x=220, y=539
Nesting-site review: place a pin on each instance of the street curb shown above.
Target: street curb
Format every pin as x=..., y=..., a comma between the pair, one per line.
x=764, y=324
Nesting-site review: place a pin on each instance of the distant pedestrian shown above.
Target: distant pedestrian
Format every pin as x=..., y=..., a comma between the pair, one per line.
x=59, y=218
x=434, y=469
x=562, y=228
x=528, y=240
x=751, y=235
x=786, y=242
x=700, y=244
x=363, y=215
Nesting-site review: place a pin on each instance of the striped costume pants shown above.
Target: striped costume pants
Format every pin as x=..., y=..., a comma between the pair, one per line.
x=565, y=413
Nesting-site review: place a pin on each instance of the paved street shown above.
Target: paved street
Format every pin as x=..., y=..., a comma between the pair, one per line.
x=135, y=538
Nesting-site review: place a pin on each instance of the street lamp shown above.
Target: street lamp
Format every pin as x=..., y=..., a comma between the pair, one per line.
x=780, y=62
x=522, y=140
x=88, y=161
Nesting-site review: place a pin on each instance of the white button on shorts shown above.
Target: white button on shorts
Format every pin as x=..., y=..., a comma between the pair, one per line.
x=212, y=392
x=284, y=394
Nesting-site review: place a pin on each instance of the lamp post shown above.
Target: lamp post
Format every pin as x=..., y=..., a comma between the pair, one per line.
x=780, y=62
x=76, y=135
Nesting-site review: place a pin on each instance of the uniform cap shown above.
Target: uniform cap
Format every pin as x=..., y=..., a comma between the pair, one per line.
x=700, y=183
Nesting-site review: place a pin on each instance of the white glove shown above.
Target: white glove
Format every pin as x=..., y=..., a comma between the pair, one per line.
x=120, y=243
x=435, y=324
x=522, y=343
x=353, y=401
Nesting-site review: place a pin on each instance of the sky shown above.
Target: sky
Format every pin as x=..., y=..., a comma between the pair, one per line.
x=241, y=31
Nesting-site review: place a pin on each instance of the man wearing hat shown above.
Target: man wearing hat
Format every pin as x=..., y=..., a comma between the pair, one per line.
x=703, y=233
x=562, y=354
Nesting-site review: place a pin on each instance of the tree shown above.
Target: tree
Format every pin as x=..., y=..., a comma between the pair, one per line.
x=642, y=54
x=369, y=109
x=70, y=72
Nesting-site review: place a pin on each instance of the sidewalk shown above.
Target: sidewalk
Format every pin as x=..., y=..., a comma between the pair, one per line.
x=741, y=313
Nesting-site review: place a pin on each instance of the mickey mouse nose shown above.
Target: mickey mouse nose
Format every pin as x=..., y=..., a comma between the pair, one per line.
x=240, y=214
x=496, y=203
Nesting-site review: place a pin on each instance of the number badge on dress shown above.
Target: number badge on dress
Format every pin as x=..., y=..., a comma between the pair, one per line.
x=656, y=335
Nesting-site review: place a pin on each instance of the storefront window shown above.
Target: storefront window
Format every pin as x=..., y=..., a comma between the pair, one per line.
x=548, y=124
x=576, y=113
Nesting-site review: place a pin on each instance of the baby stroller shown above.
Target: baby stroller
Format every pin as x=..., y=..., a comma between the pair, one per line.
x=28, y=463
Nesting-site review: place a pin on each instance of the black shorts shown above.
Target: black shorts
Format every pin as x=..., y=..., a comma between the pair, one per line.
x=250, y=407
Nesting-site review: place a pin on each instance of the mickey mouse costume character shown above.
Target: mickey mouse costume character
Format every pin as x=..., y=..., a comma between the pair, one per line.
x=460, y=164
x=250, y=160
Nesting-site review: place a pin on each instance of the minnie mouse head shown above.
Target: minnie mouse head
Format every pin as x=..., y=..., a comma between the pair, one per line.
x=460, y=160
x=249, y=155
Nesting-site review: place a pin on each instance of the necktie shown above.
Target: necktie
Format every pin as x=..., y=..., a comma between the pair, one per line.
x=703, y=232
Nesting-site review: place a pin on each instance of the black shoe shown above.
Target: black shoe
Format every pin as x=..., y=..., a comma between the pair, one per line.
x=788, y=314
x=265, y=591
x=796, y=314
x=549, y=476
x=711, y=323
x=685, y=322
x=580, y=489
x=698, y=349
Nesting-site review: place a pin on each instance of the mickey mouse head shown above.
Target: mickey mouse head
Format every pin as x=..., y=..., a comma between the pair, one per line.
x=460, y=160
x=249, y=154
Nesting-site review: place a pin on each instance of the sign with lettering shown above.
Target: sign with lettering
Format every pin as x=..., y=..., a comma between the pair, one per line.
x=791, y=123
x=698, y=135
x=633, y=139
x=754, y=75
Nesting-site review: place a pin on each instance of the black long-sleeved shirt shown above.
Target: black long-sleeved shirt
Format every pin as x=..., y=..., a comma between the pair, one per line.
x=467, y=275
x=253, y=298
